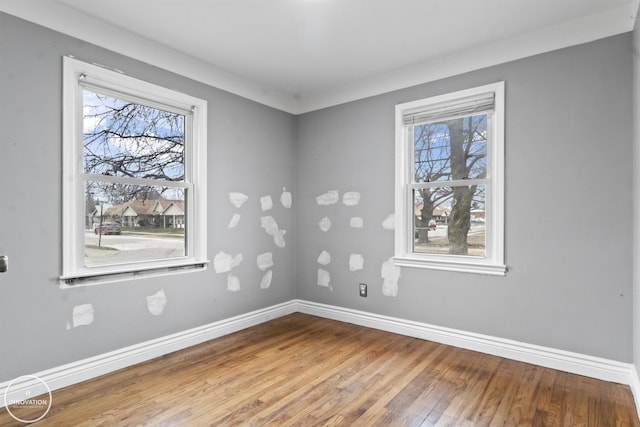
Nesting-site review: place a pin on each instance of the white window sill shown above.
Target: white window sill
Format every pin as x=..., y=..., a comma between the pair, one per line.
x=106, y=276
x=450, y=265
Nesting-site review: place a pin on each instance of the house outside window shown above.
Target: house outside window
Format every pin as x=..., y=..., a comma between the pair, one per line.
x=450, y=181
x=134, y=182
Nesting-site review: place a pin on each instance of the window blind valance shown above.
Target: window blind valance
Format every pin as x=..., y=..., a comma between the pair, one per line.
x=450, y=109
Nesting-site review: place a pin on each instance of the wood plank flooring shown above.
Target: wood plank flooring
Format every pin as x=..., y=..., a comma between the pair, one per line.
x=301, y=370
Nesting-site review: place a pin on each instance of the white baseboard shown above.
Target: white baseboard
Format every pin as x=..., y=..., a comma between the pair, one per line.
x=73, y=373
x=82, y=370
x=595, y=367
x=635, y=388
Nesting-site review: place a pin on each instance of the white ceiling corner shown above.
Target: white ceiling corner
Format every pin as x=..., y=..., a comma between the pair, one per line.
x=303, y=55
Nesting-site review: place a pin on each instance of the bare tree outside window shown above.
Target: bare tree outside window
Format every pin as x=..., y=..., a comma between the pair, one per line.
x=447, y=153
x=129, y=139
x=135, y=144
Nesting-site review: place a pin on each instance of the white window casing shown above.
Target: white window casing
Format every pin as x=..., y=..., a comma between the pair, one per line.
x=77, y=76
x=488, y=98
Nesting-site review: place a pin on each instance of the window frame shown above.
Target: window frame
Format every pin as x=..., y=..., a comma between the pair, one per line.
x=76, y=76
x=493, y=261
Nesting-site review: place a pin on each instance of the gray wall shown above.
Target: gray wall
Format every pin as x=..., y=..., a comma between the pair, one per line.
x=251, y=150
x=568, y=209
x=568, y=206
x=636, y=195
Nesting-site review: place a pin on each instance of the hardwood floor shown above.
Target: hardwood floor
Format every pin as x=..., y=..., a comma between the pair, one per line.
x=302, y=370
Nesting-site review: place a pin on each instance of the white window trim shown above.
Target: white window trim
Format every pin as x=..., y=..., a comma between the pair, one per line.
x=73, y=268
x=493, y=263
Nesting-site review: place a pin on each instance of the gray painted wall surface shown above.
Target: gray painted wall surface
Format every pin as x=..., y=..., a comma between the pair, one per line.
x=568, y=209
x=636, y=195
x=251, y=150
x=568, y=206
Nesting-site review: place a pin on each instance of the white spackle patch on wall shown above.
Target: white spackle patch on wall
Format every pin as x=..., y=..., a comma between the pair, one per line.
x=265, y=260
x=235, y=219
x=389, y=222
x=236, y=260
x=323, y=278
x=82, y=315
x=266, y=280
x=351, y=198
x=285, y=198
x=356, y=262
x=324, y=258
x=224, y=262
x=328, y=198
x=266, y=203
x=156, y=303
x=324, y=224
x=356, y=222
x=233, y=283
x=237, y=199
x=391, y=275
x=271, y=227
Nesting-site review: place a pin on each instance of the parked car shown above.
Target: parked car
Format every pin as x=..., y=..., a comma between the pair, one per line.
x=108, y=228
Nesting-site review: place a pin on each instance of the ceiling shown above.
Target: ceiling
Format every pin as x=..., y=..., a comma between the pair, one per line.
x=302, y=55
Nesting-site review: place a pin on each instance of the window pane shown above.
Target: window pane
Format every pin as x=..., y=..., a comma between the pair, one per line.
x=451, y=149
x=449, y=220
x=128, y=223
x=123, y=138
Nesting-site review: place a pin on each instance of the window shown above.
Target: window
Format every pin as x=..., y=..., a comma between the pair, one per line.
x=450, y=181
x=134, y=184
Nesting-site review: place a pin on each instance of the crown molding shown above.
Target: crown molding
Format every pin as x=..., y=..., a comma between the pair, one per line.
x=571, y=33
x=71, y=22
x=77, y=24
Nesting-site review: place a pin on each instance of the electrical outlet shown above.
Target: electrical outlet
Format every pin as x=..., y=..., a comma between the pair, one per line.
x=363, y=289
